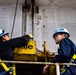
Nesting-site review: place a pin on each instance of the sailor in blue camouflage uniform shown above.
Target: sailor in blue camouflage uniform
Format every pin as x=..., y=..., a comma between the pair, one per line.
x=7, y=47
x=66, y=52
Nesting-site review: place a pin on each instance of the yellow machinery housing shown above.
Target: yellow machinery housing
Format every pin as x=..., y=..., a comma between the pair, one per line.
x=26, y=53
x=31, y=53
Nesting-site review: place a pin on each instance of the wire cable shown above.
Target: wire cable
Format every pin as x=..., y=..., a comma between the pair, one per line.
x=14, y=18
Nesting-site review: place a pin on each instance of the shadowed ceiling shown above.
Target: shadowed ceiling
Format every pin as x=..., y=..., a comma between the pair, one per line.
x=60, y=3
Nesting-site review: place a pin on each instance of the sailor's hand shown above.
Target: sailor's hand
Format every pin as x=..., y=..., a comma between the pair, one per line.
x=45, y=69
x=31, y=36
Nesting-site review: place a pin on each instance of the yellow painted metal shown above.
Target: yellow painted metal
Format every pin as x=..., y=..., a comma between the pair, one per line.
x=29, y=49
x=74, y=56
x=26, y=53
x=27, y=57
x=52, y=70
x=30, y=53
x=4, y=66
x=14, y=70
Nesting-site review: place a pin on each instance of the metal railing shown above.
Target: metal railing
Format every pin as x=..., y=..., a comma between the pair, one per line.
x=44, y=63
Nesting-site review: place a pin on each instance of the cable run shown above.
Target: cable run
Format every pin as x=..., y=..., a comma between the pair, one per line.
x=14, y=18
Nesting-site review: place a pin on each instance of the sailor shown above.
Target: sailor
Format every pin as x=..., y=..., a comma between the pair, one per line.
x=7, y=47
x=66, y=52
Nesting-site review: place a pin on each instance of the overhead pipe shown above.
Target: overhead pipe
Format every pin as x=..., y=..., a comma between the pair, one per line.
x=25, y=15
x=33, y=8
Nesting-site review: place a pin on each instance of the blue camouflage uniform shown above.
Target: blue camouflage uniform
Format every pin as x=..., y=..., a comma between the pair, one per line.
x=7, y=50
x=65, y=52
